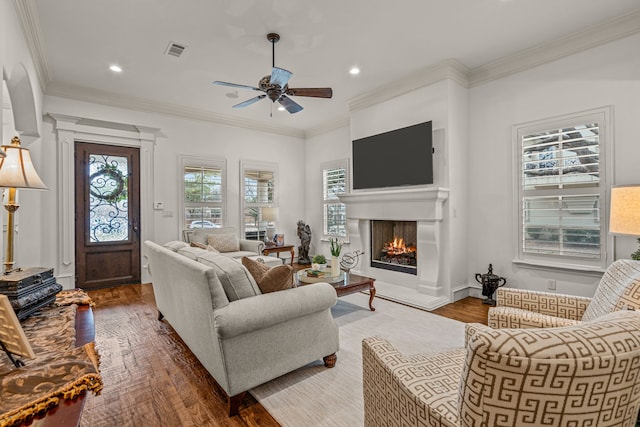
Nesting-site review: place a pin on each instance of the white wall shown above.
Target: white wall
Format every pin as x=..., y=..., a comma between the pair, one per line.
x=330, y=146
x=14, y=53
x=607, y=75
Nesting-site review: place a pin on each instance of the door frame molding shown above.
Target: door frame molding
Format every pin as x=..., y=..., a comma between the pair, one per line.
x=68, y=130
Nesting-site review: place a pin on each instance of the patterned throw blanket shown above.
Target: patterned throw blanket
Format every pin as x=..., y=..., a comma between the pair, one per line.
x=59, y=371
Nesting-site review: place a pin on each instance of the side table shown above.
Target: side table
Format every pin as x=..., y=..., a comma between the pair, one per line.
x=277, y=249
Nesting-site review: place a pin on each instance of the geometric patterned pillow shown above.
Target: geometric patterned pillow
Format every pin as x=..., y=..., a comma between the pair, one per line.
x=618, y=289
x=224, y=242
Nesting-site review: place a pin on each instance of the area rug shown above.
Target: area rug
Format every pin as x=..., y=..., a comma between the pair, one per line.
x=317, y=396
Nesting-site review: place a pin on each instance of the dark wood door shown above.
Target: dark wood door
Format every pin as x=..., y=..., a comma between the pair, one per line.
x=107, y=189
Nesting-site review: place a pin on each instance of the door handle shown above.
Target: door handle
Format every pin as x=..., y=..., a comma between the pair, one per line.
x=135, y=226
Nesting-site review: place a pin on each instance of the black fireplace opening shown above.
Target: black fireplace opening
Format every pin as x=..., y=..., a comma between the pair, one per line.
x=393, y=245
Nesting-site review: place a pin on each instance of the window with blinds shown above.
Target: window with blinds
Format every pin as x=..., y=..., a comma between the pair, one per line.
x=561, y=190
x=203, y=198
x=259, y=191
x=334, y=183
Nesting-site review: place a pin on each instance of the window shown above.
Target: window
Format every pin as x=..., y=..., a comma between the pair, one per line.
x=334, y=183
x=202, y=192
x=259, y=190
x=561, y=190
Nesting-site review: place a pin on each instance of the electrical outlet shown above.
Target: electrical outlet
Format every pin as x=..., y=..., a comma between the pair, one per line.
x=551, y=285
x=158, y=206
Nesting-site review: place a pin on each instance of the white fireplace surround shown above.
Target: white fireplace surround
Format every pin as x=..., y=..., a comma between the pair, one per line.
x=423, y=205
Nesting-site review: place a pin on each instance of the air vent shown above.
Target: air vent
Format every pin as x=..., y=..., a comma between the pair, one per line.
x=175, y=49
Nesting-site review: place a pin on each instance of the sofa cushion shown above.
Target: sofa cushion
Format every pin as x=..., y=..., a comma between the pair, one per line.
x=236, y=280
x=175, y=245
x=269, y=279
x=239, y=254
x=224, y=242
x=191, y=252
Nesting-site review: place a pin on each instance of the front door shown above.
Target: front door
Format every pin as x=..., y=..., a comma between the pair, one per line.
x=107, y=192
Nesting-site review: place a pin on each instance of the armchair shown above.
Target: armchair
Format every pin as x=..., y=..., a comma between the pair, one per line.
x=587, y=374
x=618, y=289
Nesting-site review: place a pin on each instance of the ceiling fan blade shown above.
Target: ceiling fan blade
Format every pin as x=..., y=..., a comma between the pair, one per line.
x=234, y=85
x=249, y=101
x=316, y=92
x=289, y=104
x=280, y=76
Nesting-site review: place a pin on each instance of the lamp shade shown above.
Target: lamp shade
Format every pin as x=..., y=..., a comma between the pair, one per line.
x=270, y=214
x=16, y=169
x=624, y=217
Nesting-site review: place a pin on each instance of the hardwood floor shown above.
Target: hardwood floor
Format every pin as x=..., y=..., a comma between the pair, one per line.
x=152, y=379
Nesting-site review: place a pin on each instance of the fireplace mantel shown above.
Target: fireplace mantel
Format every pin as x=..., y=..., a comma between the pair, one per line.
x=415, y=204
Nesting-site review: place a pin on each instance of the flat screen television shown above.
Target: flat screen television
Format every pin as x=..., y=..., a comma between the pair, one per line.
x=393, y=159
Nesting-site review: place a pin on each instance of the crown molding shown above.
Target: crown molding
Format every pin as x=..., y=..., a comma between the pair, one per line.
x=450, y=69
x=30, y=21
x=596, y=35
x=79, y=93
x=328, y=127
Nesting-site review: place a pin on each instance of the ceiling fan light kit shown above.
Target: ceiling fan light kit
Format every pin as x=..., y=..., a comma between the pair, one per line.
x=276, y=86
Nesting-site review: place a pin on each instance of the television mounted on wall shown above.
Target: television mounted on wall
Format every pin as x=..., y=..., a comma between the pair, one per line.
x=396, y=158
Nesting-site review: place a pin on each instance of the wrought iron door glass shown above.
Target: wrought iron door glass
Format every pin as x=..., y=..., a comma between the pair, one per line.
x=108, y=198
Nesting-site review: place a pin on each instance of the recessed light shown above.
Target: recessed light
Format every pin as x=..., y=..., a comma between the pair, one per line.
x=354, y=71
x=115, y=68
x=281, y=108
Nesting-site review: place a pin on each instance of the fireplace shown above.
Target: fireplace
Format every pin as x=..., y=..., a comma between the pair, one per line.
x=393, y=245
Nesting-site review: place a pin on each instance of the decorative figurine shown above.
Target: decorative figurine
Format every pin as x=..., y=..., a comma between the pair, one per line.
x=304, y=233
x=350, y=260
x=490, y=283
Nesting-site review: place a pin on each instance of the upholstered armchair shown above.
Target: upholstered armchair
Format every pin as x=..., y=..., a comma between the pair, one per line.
x=587, y=374
x=618, y=289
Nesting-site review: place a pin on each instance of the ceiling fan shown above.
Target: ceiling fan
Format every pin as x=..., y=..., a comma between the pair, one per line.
x=275, y=86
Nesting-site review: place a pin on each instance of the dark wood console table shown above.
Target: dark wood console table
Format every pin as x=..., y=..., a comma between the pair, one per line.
x=68, y=412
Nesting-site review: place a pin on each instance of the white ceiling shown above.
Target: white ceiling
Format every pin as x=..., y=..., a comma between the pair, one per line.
x=320, y=42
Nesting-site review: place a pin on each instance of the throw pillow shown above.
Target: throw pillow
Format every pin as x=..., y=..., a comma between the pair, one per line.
x=224, y=242
x=269, y=279
x=198, y=245
x=175, y=245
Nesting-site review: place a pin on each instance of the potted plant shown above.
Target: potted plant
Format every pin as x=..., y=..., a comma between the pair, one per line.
x=319, y=262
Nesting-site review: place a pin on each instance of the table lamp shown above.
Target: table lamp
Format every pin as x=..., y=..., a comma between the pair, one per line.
x=624, y=217
x=16, y=171
x=270, y=215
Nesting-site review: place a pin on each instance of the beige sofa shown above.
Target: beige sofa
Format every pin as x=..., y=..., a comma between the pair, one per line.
x=586, y=374
x=245, y=247
x=242, y=337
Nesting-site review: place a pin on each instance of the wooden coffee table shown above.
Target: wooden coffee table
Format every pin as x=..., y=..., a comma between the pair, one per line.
x=347, y=284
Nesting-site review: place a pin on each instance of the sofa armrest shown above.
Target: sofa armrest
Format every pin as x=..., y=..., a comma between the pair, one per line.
x=557, y=305
x=252, y=246
x=265, y=310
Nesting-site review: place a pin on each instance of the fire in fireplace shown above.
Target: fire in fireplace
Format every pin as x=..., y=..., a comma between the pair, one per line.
x=393, y=245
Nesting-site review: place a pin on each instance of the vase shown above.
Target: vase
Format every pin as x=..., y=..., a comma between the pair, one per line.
x=335, y=266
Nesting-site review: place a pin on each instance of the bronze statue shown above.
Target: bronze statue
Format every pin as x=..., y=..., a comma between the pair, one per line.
x=304, y=233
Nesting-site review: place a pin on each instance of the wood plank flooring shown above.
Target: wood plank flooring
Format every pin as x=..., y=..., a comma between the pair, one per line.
x=152, y=379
